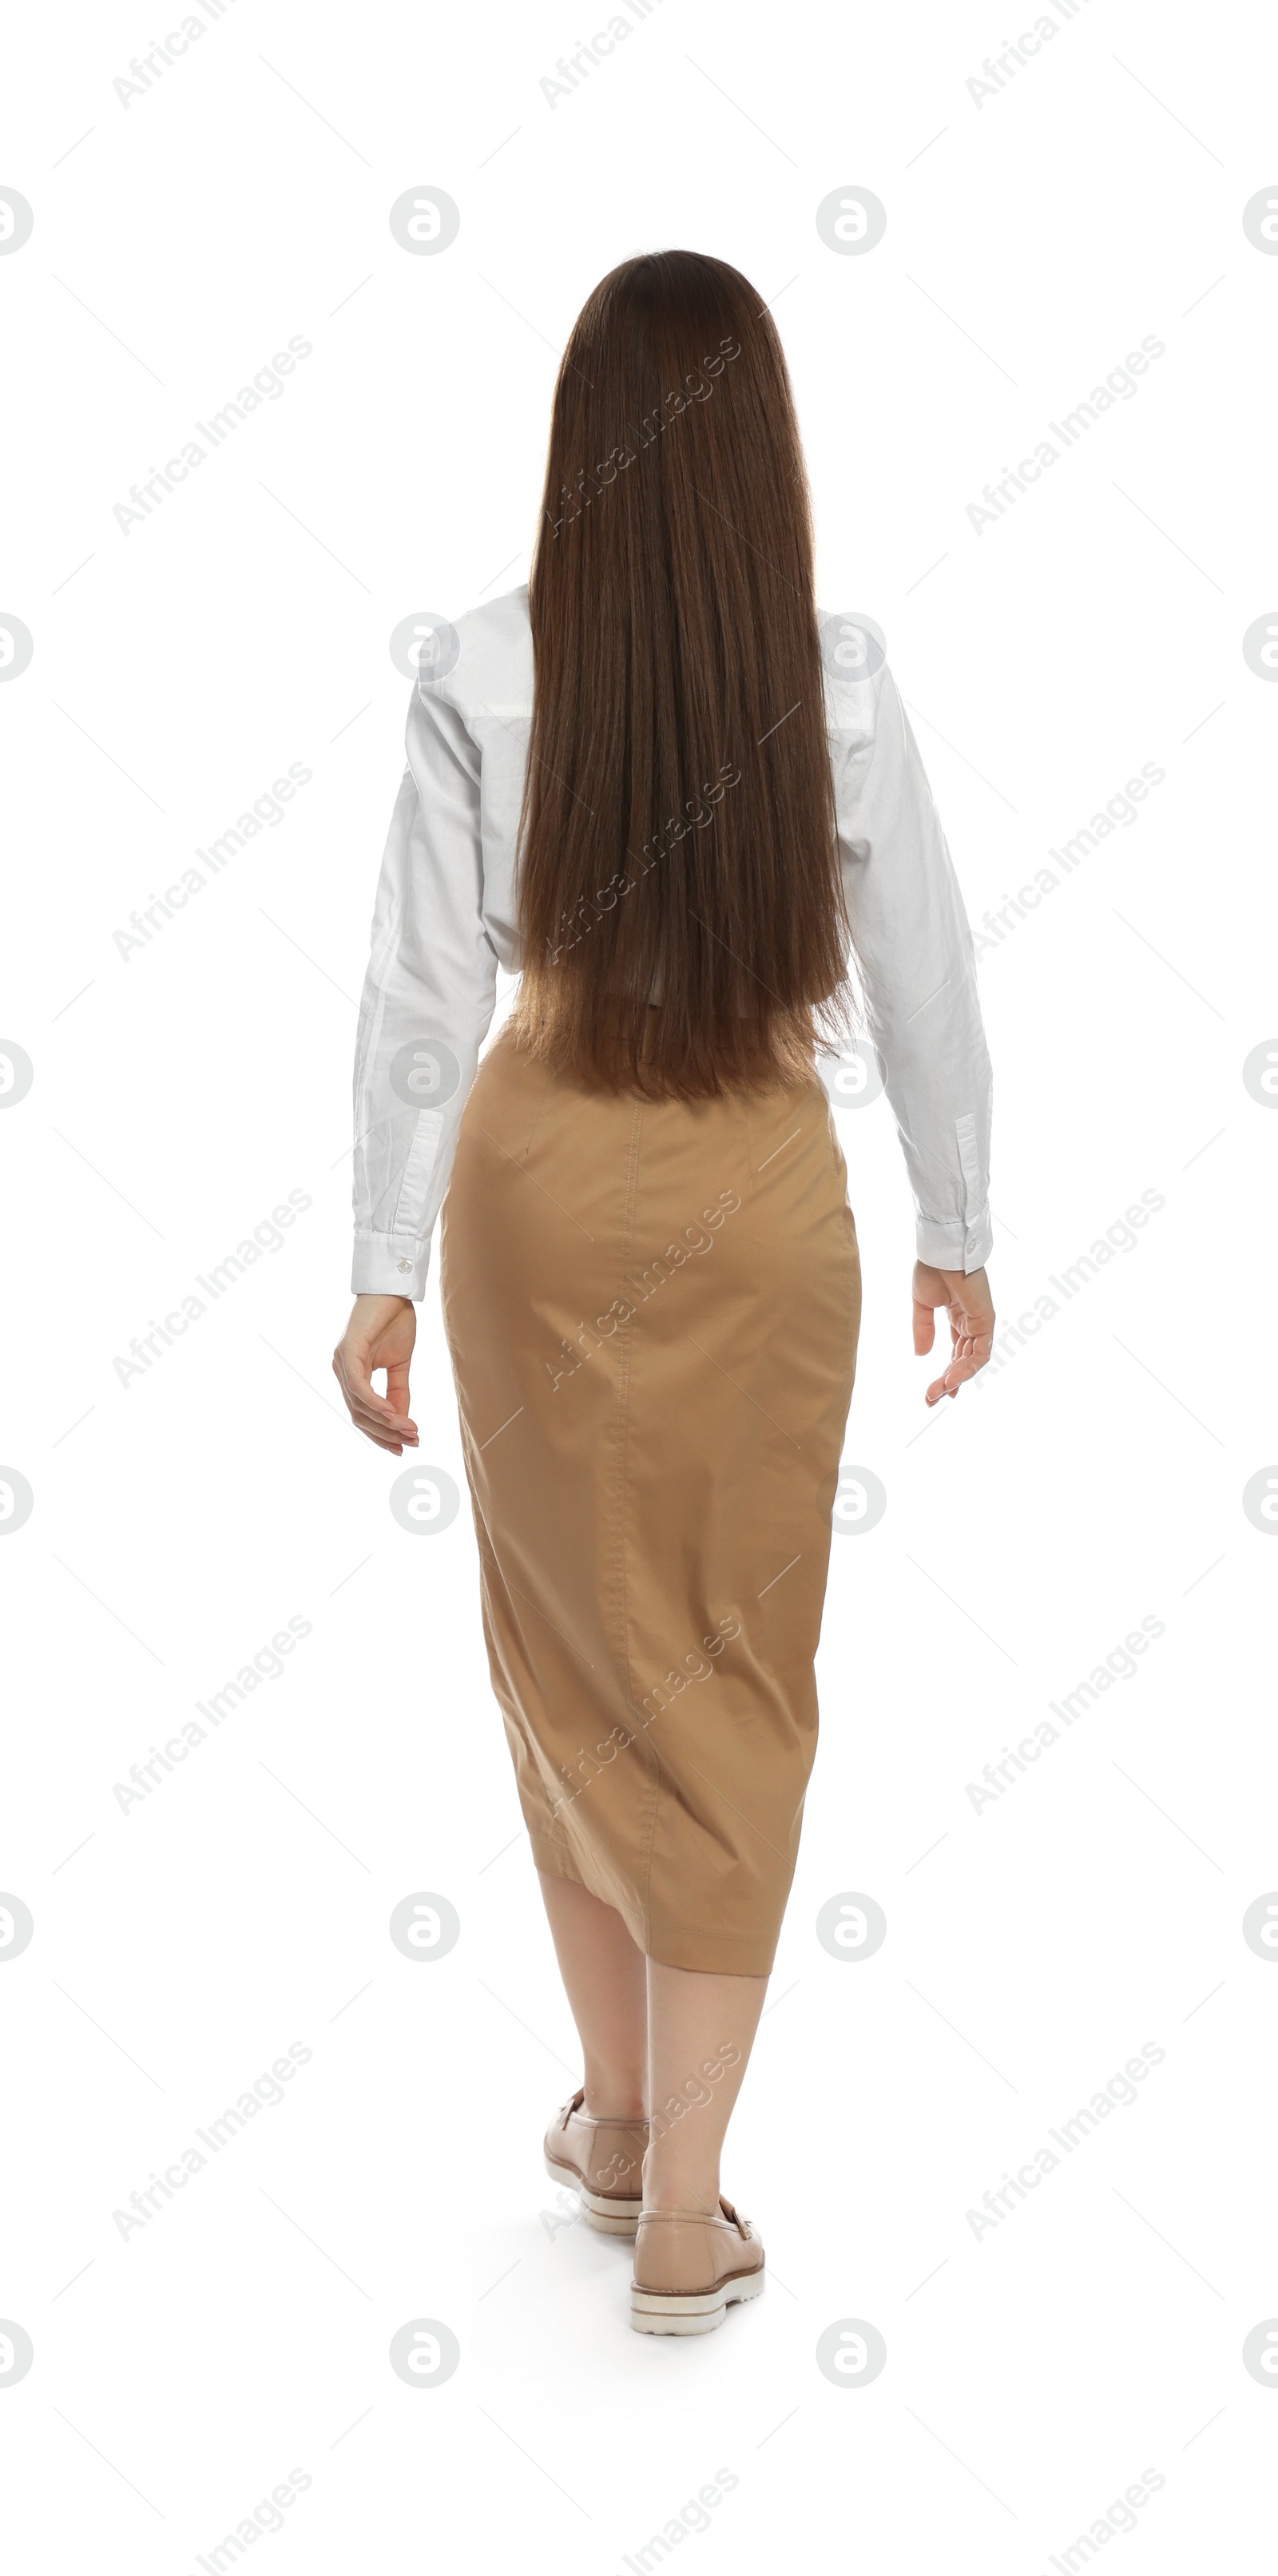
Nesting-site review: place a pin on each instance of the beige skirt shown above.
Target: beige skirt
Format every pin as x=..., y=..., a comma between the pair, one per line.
x=652, y=1310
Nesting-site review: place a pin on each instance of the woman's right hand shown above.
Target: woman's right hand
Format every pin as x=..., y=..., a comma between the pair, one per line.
x=380, y=1334
x=970, y=1308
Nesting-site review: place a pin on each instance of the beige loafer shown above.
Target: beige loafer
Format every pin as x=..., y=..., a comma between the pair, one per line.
x=601, y=2160
x=690, y=2269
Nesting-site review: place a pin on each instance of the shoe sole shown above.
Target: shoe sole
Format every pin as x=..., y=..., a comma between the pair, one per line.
x=609, y=2217
x=664, y=2312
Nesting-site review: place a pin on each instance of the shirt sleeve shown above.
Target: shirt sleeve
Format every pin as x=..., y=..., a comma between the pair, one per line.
x=427, y=1002
x=912, y=947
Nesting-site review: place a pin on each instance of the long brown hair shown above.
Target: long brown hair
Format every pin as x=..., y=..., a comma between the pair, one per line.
x=678, y=832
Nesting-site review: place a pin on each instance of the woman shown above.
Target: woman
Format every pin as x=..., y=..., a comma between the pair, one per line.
x=661, y=786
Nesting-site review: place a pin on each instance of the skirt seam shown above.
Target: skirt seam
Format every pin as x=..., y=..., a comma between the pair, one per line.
x=619, y=1502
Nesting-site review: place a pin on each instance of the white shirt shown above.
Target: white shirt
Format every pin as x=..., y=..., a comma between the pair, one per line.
x=444, y=920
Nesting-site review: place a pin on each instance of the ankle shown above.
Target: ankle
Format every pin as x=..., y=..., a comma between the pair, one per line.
x=614, y=2093
x=670, y=2186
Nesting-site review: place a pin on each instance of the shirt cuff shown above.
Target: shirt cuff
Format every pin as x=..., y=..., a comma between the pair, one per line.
x=390, y=1265
x=957, y=1246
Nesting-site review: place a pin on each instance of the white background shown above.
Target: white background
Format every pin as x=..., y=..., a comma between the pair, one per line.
x=180, y=1519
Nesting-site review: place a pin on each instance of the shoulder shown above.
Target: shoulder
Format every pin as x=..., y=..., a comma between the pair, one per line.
x=854, y=671
x=487, y=662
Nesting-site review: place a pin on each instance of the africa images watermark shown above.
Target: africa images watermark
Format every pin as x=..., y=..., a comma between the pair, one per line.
x=657, y=846
x=697, y=1666
x=697, y=387
x=999, y=69
x=265, y=2092
x=145, y=71
x=266, y=1665
x=576, y=68
x=1119, y=2093
x=693, y=2516
x=1120, y=384
x=267, y=811
x=1120, y=812
x=1121, y=1237
x=147, y=1348
x=694, y=2092
x=1119, y=2516
x=652, y=1276
x=266, y=2516
x=1119, y=1665
x=267, y=386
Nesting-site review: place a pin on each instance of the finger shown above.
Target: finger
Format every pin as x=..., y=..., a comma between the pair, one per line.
x=397, y=1395
x=374, y=1407
x=393, y=1406
x=394, y=1448
x=350, y=1368
x=971, y=1327
x=371, y=1427
x=363, y=1402
x=924, y=1328
x=963, y=1366
x=968, y=1331
x=358, y=1394
x=377, y=1424
x=942, y=1386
